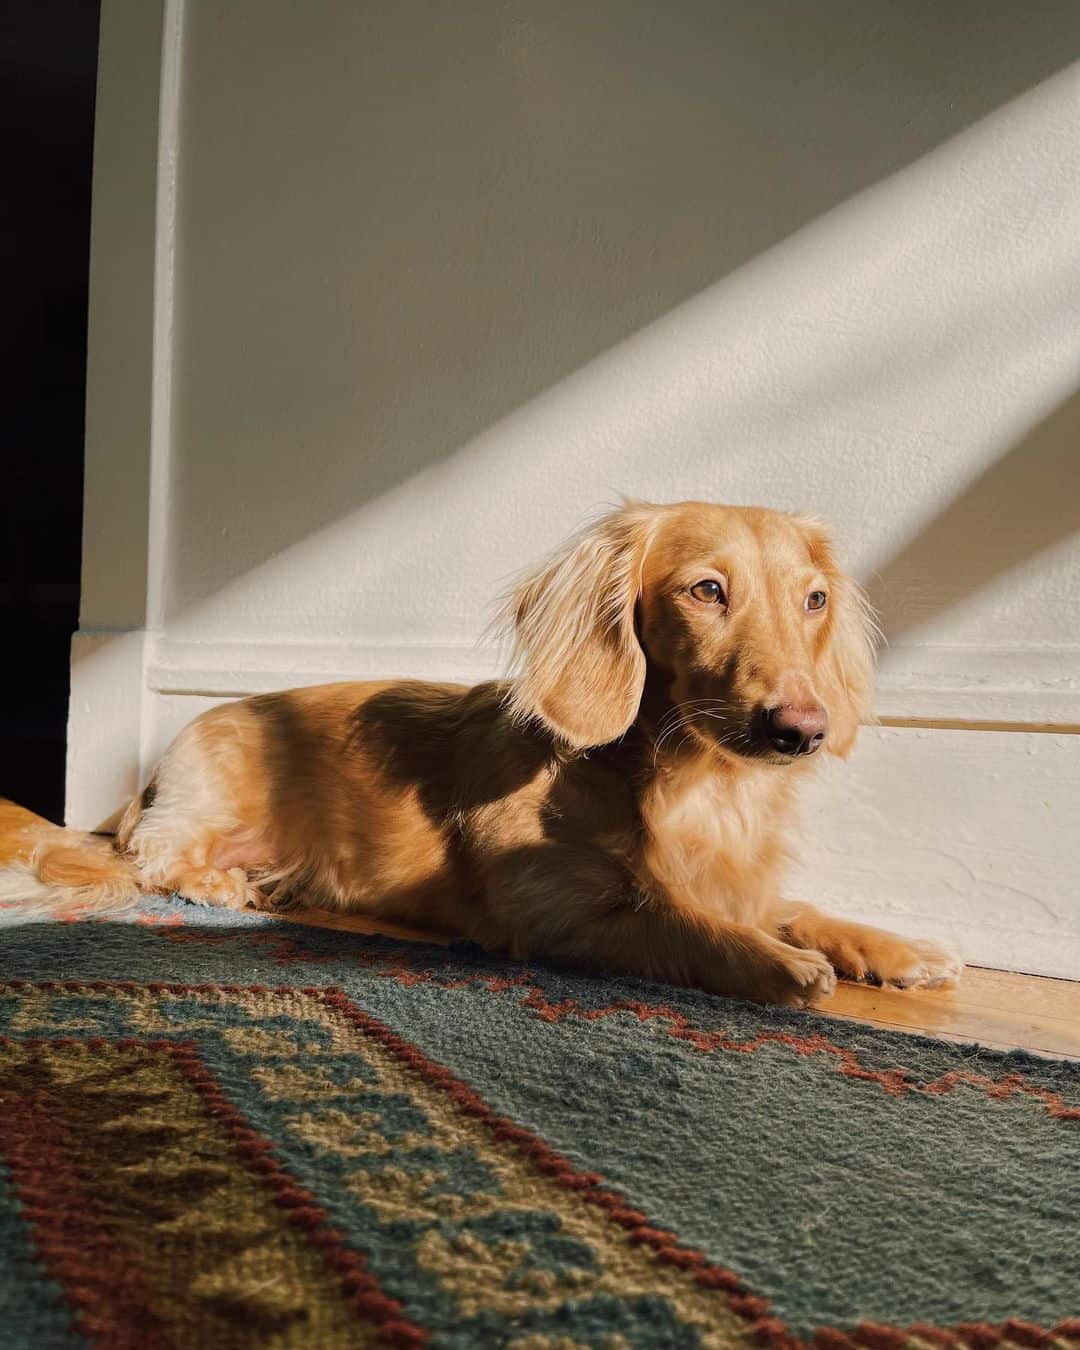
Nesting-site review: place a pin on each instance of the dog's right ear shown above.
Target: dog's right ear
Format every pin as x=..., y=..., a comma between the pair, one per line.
x=578, y=666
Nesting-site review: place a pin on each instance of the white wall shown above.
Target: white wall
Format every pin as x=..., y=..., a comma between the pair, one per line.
x=386, y=298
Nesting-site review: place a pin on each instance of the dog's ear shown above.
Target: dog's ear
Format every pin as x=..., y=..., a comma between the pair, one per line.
x=578, y=665
x=847, y=646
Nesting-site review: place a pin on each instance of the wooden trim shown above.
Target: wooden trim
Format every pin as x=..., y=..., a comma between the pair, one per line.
x=121, y=320
x=1005, y=689
x=129, y=398
x=958, y=724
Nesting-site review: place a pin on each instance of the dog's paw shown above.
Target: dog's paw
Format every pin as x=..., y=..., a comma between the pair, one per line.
x=802, y=977
x=918, y=964
x=212, y=887
x=885, y=958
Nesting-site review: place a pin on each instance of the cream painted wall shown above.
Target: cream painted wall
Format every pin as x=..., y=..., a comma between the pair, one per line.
x=420, y=286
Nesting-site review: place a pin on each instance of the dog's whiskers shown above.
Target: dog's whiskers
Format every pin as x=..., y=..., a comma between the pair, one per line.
x=681, y=717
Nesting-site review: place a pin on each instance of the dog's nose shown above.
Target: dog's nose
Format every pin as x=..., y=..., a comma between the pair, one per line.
x=795, y=730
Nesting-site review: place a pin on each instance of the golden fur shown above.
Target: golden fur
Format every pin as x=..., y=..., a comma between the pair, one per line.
x=618, y=803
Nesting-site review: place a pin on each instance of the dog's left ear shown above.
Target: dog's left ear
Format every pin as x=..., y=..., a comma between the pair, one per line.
x=847, y=646
x=579, y=667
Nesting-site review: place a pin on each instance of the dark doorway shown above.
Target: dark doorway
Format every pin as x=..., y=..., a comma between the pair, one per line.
x=48, y=67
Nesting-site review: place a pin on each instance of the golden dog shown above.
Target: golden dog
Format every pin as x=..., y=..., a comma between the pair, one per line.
x=624, y=801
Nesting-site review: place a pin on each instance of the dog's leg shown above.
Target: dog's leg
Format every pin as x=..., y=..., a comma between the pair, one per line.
x=211, y=886
x=864, y=953
x=585, y=909
x=197, y=828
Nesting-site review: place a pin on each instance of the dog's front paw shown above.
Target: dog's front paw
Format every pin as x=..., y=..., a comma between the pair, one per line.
x=917, y=964
x=801, y=977
x=885, y=958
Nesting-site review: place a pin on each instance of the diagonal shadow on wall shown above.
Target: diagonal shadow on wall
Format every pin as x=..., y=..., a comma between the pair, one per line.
x=389, y=245
x=1025, y=502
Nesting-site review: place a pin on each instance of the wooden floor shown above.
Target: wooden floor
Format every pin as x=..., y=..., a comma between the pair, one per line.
x=996, y=1007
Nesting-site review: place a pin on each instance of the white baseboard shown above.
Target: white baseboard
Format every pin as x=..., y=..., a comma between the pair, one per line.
x=1032, y=686
x=963, y=836
x=231, y=668
x=1025, y=685
x=106, y=724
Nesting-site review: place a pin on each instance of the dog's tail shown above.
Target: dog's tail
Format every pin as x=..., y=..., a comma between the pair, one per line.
x=58, y=872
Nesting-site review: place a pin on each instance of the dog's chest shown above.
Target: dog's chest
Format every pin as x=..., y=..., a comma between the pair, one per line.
x=715, y=840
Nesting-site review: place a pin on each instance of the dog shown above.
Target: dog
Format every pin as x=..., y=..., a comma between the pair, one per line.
x=623, y=801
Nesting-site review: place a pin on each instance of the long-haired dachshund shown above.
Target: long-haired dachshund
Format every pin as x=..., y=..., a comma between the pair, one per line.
x=624, y=801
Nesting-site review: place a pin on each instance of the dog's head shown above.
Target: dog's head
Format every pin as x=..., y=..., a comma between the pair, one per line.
x=750, y=637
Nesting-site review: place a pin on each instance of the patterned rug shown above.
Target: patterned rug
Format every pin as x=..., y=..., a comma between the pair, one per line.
x=221, y=1130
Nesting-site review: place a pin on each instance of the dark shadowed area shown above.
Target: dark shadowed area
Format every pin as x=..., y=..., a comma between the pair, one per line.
x=48, y=66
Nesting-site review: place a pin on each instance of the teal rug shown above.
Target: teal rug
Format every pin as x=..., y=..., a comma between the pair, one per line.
x=222, y=1130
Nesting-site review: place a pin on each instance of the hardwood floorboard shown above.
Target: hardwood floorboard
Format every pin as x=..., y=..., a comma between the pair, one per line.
x=999, y=1008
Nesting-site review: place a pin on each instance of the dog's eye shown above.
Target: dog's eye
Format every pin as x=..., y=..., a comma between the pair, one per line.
x=815, y=600
x=709, y=592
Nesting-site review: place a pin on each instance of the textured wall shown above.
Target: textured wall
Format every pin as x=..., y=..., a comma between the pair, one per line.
x=450, y=277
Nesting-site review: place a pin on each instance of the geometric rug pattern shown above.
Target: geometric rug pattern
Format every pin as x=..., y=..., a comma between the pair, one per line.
x=231, y=1131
